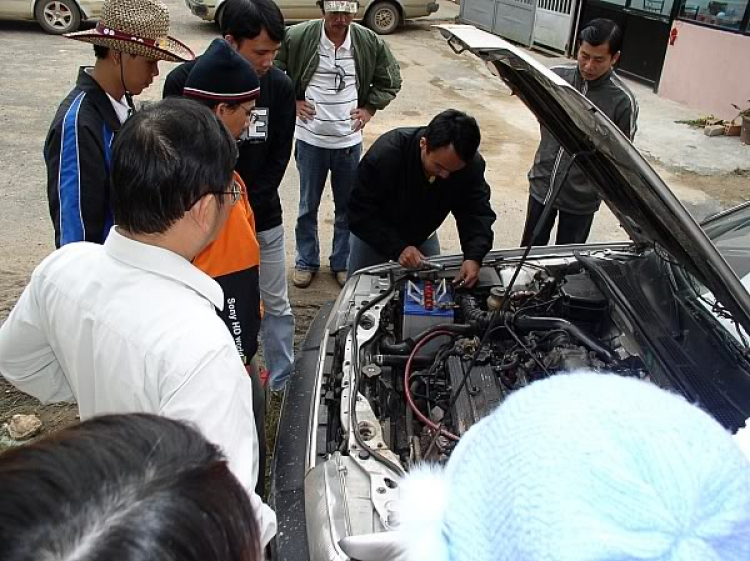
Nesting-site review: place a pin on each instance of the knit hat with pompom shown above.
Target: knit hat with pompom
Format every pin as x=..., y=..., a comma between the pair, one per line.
x=584, y=467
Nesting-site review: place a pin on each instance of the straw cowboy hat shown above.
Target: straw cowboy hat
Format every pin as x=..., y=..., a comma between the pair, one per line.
x=137, y=27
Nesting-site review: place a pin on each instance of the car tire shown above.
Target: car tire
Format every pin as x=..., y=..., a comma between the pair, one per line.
x=219, y=14
x=383, y=18
x=57, y=16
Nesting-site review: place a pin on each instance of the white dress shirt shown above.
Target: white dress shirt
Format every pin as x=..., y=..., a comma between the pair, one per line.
x=333, y=92
x=129, y=327
x=120, y=107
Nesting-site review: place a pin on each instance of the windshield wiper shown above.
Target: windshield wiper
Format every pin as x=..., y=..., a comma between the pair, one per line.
x=714, y=306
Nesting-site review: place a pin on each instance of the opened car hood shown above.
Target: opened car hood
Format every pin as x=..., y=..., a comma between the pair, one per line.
x=644, y=205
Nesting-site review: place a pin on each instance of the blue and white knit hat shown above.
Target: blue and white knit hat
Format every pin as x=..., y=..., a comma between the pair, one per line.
x=584, y=467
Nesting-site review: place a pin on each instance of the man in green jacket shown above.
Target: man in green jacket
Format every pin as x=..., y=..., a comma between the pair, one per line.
x=342, y=74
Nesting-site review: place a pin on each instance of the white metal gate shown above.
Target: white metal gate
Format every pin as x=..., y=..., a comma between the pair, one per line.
x=552, y=24
x=479, y=13
x=514, y=20
x=546, y=23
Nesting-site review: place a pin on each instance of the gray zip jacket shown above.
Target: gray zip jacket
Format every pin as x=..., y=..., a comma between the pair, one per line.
x=578, y=195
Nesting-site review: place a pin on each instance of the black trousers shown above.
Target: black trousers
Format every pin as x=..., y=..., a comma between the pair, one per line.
x=571, y=228
x=259, y=412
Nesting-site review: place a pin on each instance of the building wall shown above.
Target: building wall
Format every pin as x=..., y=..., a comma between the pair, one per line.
x=708, y=70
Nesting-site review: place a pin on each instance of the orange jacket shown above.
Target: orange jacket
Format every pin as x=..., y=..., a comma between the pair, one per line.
x=236, y=247
x=232, y=260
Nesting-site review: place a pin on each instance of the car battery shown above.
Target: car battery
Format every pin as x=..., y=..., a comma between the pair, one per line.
x=427, y=303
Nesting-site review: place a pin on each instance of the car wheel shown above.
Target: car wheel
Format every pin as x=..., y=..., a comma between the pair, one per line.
x=57, y=16
x=383, y=18
x=219, y=14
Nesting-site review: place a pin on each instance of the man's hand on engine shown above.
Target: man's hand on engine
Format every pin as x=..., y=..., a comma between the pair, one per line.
x=411, y=258
x=468, y=275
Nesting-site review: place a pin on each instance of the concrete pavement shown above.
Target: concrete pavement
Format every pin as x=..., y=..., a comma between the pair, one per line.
x=678, y=147
x=40, y=69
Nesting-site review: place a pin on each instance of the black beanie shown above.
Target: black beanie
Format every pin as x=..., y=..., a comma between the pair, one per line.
x=221, y=74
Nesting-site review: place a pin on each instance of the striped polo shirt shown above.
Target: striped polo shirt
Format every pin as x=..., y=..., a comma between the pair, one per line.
x=333, y=93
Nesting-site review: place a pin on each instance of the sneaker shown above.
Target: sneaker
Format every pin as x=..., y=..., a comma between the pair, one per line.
x=301, y=278
x=341, y=277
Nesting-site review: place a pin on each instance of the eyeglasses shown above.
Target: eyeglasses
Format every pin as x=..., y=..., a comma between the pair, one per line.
x=235, y=192
x=249, y=113
x=340, y=74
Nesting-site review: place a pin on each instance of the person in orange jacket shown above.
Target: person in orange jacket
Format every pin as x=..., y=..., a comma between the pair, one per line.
x=226, y=82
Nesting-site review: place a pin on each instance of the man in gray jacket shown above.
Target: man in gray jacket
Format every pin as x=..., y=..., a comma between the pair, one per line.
x=594, y=77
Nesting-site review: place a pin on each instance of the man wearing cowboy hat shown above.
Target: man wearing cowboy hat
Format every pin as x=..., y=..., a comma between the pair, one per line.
x=342, y=74
x=129, y=41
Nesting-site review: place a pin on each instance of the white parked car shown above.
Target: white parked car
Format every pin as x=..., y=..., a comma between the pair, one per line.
x=55, y=16
x=382, y=16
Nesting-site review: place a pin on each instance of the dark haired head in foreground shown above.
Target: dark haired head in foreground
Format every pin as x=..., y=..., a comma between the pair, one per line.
x=189, y=168
x=126, y=488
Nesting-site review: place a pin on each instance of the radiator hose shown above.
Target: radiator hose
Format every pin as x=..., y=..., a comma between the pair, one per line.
x=530, y=323
x=472, y=313
x=405, y=347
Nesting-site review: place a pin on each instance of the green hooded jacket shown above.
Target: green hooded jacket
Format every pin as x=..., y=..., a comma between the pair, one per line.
x=378, y=73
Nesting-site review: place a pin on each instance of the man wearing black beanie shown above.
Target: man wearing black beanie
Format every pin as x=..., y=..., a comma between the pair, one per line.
x=228, y=85
x=255, y=29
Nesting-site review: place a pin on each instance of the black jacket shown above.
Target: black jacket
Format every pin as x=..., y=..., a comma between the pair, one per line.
x=578, y=195
x=265, y=151
x=77, y=152
x=393, y=205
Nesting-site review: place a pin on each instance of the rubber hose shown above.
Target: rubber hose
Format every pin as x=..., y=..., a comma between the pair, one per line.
x=401, y=360
x=473, y=313
x=405, y=347
x=531, y=323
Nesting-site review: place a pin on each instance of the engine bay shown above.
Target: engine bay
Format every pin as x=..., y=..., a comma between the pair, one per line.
x=437, y=359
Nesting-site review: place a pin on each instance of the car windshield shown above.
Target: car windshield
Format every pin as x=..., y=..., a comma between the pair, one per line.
x=730, y=233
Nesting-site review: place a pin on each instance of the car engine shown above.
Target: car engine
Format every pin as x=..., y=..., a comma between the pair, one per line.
x=438, y=358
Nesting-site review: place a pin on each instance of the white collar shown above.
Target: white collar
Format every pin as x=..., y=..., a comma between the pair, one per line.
x=328, y=44
x=164, y=263
x=120, y=107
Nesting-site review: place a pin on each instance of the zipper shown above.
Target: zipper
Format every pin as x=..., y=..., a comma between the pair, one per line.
x=584, y=90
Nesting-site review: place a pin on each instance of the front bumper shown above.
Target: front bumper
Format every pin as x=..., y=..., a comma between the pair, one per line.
x=290, y=462
x=90, y=9
x=204, y=11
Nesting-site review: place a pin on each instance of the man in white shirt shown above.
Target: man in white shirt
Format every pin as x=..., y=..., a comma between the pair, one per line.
x=342, y=74
x=130, y=326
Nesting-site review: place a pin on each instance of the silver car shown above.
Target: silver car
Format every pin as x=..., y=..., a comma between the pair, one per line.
x=55, y=16
x=382, y=16
x=388, y=378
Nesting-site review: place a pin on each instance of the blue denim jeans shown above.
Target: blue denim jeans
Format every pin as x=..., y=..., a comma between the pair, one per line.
x=363, y=255
x=314, y=164
x=277, y=326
